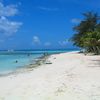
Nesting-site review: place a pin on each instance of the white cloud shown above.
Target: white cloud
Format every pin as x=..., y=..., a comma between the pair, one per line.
x=63, y=43
x=47, y=44
x=75, y=20
x=48, y=9
x=36, y=40
x=9, y=10
x=8, y=27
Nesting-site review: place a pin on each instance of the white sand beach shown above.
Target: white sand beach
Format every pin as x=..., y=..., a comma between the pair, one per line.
x=71, y=76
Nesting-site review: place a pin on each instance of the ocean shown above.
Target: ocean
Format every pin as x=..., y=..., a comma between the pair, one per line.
x=12, y=60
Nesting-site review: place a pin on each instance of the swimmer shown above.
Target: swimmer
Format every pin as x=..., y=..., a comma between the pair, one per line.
x=16, y=61
x=28, y=55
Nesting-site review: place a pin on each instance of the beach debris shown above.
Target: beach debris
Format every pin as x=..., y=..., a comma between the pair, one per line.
x=54, y=58
x=48, y=62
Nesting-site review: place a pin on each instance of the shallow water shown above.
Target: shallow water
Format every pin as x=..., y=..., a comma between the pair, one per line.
x=10, y=61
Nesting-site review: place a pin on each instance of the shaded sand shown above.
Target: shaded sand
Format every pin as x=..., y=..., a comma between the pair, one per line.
x=71, y=76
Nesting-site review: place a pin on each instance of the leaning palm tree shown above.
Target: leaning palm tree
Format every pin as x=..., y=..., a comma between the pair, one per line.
x=87, y=34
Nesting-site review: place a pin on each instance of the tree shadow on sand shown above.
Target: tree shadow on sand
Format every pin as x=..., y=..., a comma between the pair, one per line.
x=94, y=63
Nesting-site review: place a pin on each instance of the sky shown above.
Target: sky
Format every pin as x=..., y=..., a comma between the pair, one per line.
x=41, y=24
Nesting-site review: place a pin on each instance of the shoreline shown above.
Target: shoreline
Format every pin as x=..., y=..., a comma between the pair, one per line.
x=39, y=61
x=71, y=76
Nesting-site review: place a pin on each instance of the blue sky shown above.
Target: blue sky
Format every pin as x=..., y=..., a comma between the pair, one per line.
x=38, y=24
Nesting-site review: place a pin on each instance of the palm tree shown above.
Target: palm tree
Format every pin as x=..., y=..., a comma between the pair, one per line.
x=88, y=33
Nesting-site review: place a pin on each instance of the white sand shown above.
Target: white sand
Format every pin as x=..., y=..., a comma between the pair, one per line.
x=71, y=76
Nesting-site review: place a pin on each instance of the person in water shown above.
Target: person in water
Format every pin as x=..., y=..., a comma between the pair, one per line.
x=16, y=61
x=28, y=55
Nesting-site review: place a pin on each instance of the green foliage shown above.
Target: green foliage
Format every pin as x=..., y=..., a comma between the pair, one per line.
x=88, y=33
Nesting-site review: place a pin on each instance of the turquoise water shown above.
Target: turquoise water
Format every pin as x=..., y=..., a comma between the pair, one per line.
x=8, y=62
x=23, y=58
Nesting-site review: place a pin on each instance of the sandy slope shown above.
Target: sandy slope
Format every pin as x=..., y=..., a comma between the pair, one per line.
x=71, y=76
